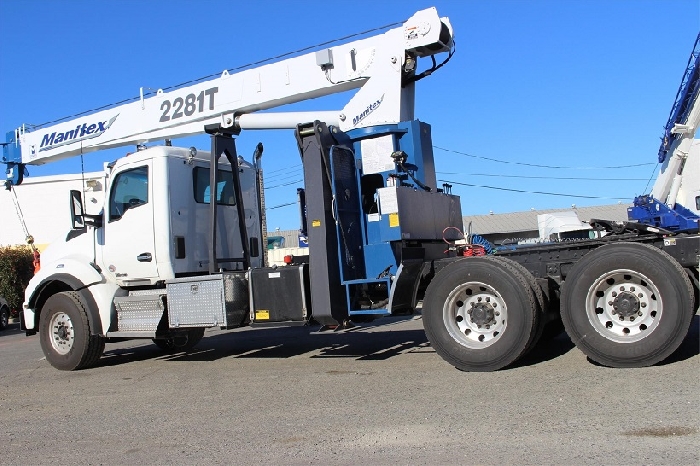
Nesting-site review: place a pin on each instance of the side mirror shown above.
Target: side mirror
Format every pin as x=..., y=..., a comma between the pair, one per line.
x=76, y=210
x=78, y=216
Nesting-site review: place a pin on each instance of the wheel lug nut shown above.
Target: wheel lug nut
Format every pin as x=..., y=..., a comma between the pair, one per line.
x=497, y=313
x=643, y=304
x=610, y=303
x=495, y=304
x=622, y=318
x=614, y=293
x=632, y=288
x=622, y=288
x=488, y=327
x=488, y=300
x=614, y=312
x=639, y=313
x=631, y=318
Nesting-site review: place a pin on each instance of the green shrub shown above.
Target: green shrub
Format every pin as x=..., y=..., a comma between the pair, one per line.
x=16, y=269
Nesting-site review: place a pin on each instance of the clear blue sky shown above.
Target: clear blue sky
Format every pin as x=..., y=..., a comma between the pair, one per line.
x=575, y=84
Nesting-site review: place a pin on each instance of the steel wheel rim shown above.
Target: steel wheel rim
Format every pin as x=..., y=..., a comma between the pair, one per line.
x=4, y=317
x=62, y=333
x=624, y=306
x=475, y=315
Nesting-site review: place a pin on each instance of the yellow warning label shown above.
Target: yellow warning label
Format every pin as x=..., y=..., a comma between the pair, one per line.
x=315, y=223
x=393, y=220
x=262, y=315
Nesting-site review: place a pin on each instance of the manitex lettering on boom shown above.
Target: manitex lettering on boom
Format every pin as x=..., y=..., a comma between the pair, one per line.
x=80, y=133
x=370, y=108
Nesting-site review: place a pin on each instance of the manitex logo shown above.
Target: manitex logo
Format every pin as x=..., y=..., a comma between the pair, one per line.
x=370, y=108
x=80, y=133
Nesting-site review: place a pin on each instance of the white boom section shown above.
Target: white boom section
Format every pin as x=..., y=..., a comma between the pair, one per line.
x=374, y=64
x=679, y=172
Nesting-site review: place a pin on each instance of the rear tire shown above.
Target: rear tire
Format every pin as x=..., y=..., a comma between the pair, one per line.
x=479, y=314
x=540, y=299
x=181, y=341
x=65, y=333
x=627, y=305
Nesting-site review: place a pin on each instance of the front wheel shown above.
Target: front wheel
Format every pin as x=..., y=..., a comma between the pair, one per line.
x=65, y=333
x=182, y=341
x=479, y=314
x=627, y=305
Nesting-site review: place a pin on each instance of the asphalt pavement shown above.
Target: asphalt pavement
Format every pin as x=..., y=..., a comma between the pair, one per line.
x=375, y=394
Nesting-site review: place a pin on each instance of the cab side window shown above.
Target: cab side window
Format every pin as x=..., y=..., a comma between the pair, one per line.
x=224, y=187
x=129, y=190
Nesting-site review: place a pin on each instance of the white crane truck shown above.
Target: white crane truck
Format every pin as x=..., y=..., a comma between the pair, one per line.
x=169, y=256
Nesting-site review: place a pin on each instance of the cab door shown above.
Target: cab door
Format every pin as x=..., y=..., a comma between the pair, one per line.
x=128, y=252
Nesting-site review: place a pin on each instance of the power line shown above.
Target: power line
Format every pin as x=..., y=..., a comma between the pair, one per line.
x=295, y=166
x=542, y=177
x=283, y=176
x=579, y=196
x=284, y=184
x=541, y=166
x=281, y=205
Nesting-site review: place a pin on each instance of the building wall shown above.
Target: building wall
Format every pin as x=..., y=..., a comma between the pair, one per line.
x=276, y=256
x=45, y=205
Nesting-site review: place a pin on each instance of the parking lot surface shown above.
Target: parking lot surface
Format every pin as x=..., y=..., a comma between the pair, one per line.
x=374, y=394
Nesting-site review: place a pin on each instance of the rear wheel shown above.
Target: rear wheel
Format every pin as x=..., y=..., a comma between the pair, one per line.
x=627, y=305
x=181, y=341
x=479, y=314
x=541, y=301
x=65, y=333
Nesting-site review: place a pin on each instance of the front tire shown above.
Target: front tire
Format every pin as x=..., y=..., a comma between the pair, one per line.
x=627, y=305
x=479, y=314
x=65, y=333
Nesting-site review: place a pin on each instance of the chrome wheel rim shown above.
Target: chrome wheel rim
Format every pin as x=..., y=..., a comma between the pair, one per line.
x=624, y=306
x=62, y=333
x=475, y=315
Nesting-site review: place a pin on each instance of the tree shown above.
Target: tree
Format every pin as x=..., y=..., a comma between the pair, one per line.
x=16, y=269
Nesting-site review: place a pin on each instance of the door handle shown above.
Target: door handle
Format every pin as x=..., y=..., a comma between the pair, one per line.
x=144, y=257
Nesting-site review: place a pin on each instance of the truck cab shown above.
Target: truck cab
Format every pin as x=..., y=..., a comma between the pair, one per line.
x=154, y=226
x=164, y=194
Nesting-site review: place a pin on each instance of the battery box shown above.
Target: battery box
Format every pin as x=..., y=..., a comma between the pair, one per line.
x=280, y=294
